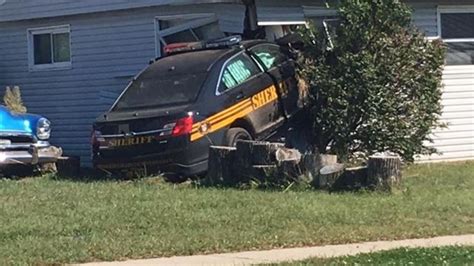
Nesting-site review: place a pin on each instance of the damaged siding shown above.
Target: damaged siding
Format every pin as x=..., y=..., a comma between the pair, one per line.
x=107, y=50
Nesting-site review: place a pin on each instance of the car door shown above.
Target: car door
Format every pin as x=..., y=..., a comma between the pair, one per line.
x=241, y=83
x=282, y=70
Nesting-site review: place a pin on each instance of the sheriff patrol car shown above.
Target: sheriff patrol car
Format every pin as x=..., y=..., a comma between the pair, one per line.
x=200, y=94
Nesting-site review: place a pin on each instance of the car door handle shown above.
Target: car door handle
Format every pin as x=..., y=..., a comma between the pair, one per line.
x=240, y=96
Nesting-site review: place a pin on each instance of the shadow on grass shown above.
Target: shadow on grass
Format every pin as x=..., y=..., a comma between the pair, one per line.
x=89, y=175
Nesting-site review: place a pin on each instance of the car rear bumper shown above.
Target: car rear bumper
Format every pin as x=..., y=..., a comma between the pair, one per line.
x=31, y=156
x=190, y=159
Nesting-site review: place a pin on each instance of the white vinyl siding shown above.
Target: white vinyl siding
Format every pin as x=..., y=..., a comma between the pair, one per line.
x=457, y=141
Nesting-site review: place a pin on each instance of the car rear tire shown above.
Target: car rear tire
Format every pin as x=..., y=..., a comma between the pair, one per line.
x=236, y=134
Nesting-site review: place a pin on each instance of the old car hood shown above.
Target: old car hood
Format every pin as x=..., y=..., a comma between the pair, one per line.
x=17, y=123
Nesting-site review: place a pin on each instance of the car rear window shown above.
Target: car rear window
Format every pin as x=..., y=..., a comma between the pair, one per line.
x=159, y=91
x=169, y=81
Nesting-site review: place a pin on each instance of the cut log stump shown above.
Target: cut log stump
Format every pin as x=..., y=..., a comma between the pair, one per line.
x=257, y=152
x=326, y=159
x=269, y=163
x=328, y=175
x=384, y=172
x=262, y=173
x=221, y=160
x=352, y=179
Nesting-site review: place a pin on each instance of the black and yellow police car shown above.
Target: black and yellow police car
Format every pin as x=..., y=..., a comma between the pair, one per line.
x=198, y=95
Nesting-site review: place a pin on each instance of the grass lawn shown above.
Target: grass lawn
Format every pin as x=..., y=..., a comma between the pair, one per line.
x=422, y=256
x=60, y=221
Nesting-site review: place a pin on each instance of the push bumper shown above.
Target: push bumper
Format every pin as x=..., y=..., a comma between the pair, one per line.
x=31, y=156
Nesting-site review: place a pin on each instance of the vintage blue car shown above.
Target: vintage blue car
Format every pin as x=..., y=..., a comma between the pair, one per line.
x=24, y=141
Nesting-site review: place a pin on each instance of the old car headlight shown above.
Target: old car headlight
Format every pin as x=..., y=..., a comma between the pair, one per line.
x=43, y=129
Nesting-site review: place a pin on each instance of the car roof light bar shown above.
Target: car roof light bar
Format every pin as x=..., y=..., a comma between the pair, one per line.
x=224, y=42
x=175, y=48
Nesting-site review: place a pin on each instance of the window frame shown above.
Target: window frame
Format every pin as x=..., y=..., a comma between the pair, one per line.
x=31, y=32
x=221, y=73
x=450, y=10
x=198, y=20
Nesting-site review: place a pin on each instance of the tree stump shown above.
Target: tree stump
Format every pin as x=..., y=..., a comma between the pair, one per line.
x=328, y=175
x=220, y=165
x=384, y=172
x=284, y=154
x=352, y=179
x=289, y=164
x=257, y=152
x=326, y=159
x=262, y=173
x=313, y=163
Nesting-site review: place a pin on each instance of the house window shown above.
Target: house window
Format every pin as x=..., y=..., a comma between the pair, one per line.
x=457, y=31
x=49, y=48
x=186, y=28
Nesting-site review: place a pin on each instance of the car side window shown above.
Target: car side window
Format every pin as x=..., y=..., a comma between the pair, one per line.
x=237, y=71
x=269, y=55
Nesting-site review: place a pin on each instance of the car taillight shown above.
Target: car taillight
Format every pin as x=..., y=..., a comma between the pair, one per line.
x=183, y=126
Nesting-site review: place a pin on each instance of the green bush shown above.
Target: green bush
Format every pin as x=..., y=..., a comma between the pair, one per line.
x=375, y=86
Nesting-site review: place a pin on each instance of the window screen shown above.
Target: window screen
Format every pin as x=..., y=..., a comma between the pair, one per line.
x=457, y=25
x=457, y=30
x=460, y=53
x=236, y=72
x=61, y=49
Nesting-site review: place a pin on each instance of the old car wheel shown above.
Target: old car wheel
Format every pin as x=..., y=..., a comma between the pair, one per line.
x=236, y=134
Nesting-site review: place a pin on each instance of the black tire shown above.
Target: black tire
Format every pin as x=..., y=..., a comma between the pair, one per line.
x=235, y=134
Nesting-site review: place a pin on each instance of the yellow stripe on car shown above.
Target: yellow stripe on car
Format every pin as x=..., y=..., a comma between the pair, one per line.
x=229, y=115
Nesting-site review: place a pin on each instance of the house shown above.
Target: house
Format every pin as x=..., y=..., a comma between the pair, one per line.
x=73, y=58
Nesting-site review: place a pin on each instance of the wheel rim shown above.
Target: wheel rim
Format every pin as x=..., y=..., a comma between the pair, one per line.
x=241, y=137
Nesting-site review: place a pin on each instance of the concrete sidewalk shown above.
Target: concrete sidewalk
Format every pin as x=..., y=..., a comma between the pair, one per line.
x=296, y=254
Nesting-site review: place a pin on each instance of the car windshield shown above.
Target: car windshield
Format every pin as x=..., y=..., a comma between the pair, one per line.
x=155, y=91
x=171, y=80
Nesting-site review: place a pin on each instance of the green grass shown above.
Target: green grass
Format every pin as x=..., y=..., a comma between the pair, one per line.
x=59, y=221
x=421, y=257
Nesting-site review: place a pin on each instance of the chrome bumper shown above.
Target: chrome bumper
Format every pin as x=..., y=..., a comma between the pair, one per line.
x=33, y=155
